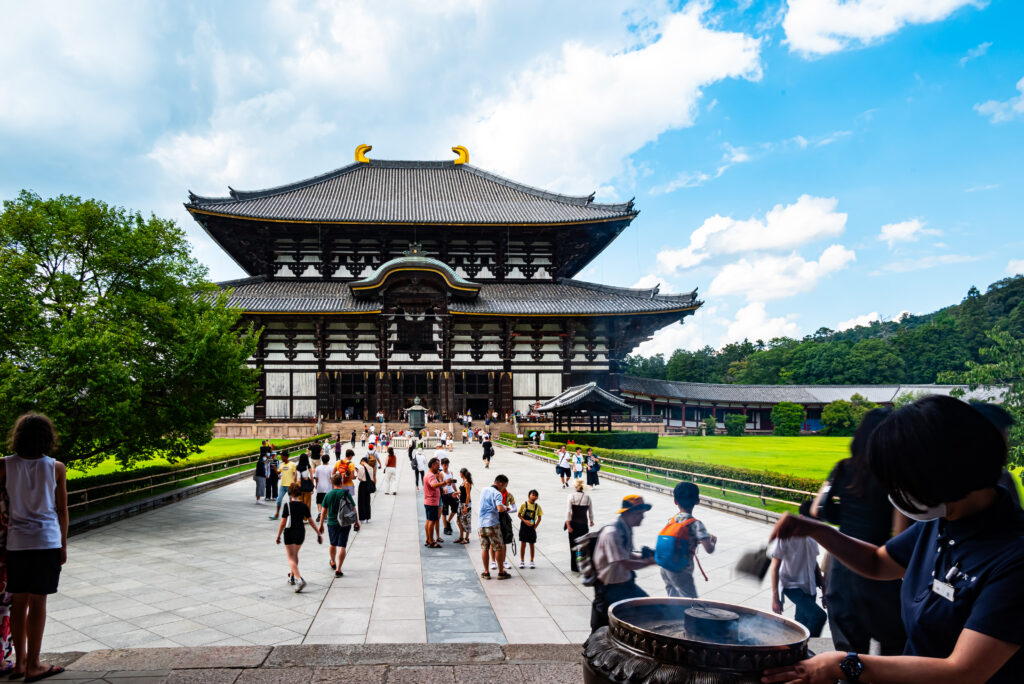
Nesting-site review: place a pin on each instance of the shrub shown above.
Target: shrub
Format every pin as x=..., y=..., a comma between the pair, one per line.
x=607, y=440
x=709, y=425
x=858, y=407
x=735, y=424
x=806, y=484
x=788, y=418
x=837, y=417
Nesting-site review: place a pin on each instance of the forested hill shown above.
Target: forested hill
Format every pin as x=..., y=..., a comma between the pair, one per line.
x=912, y=350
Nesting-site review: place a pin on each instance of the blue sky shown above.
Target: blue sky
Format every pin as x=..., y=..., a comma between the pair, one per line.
x=804, y=164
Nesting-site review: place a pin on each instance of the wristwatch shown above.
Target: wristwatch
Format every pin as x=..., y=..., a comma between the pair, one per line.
x=851, y=667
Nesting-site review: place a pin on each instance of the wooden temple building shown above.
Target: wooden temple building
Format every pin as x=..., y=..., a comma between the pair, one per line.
x=382, y=281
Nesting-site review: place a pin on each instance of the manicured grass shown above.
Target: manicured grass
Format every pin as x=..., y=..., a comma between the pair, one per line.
x=214, y=450
x=809, y=456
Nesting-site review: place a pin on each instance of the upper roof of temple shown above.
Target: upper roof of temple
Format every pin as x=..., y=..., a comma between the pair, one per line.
x=410, y=192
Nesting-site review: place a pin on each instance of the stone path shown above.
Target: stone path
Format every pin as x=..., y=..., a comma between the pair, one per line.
x=205, y=571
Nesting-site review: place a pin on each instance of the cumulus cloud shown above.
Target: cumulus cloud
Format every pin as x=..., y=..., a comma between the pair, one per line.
x=905, y=231
x=765, y=278
x=865, y=319
x=919, y=264
x=783, y=227
x=1001, y=111
x=820, y=27
x=651, y=280
x=752, y=322
x=685, y=334
x=1015, y=267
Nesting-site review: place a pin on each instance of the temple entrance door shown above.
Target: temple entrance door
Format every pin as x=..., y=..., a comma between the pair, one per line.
x=478, y=408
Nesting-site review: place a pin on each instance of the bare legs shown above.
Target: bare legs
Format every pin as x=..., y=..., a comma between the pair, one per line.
x=28, y=618
x=293, y=560
x=338, y=556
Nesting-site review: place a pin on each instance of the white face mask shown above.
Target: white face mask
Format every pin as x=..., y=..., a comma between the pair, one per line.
x=930, y=512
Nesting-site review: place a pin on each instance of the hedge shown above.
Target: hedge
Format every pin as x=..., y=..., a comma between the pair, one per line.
x=607, y=440
x=87, y=481
x=808, y=484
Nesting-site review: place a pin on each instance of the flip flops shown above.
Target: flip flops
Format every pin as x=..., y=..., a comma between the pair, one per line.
x=54, y=670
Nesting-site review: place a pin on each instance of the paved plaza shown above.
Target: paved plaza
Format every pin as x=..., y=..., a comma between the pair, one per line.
x=206, y=572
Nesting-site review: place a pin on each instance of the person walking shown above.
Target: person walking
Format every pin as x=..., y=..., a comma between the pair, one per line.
x=273, y=473
x=37, y=537
x=488, y=453
x=288, y=477
x=577, y=464
x=337, y=533
x=364, y=473
x=259, y=476
x=593, y=467
x=678, y=541
x=388, y=484
x=322, y=475
x=530, y=514
x=304, y=475
x=564, y=467
x=465, y=517
x=353, y=439
x=490, y=527
x=795, y=571
x=366, y=434
x=579, y=518
x=293, y=520
x=616, y=562
x=432, y=485
x=421, y=465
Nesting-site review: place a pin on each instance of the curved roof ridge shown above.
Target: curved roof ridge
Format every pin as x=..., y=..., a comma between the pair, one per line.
x=578, y=200
x=239, y=195
x=646, y=293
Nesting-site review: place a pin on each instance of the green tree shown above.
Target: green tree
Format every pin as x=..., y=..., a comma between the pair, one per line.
x=735, y=424
x=645, y=366
x=1002, y=370
x=859, y=405
x=709, y=425
x=107, y=324
x=837, y=417
x=788, y=418
x=909, y=397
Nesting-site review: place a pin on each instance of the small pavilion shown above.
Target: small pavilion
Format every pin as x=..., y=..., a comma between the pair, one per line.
x=585, y=402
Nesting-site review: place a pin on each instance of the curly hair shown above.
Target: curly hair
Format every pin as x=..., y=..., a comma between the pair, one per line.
x=32, y=436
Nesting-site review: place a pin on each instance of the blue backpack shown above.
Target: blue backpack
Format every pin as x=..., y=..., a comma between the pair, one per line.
x=672, y=550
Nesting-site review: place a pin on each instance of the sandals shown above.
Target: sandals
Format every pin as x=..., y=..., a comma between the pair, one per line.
x=504, y=575
x=485, y=575
x=332, y=565
x=339, y=573
x=54, y=670
x=434, y=545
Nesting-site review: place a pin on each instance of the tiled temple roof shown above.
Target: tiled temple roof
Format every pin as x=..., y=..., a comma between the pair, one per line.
x=588, y=397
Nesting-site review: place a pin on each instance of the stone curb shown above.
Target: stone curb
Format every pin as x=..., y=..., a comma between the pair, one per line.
x=749, y=512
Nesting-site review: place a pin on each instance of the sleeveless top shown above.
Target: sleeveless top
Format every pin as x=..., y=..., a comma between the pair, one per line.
x=31, y=487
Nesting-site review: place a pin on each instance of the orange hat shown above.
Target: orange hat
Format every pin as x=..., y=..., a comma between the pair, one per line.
x=633, y=502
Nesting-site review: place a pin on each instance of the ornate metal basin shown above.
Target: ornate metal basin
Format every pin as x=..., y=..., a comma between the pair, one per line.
x=689, y=641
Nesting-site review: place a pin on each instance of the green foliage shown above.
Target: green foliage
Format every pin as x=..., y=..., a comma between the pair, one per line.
x=735, y=424
x=788, y=418
x=709, y=425
x=914, y=349
x=806, y=484
x=607, y=440
x=904, y=398
x=859, y=406
x=1002, y=365
x=107, y=324
x=837, y=418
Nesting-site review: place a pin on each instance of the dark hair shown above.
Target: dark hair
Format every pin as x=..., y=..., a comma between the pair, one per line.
x=465, y=473
x=295, y=490
x=502, y=479
x=326, y=458
x=996, y=415
x=920, y=450
x=445, y=461
x=431, y=462
x=337, y=479
x=857, y=463
x=533, y=491
x=32, y=436
x=349, y=453
x=391, y=451
x=686, y=495
x=805, y=508
x=303, y=462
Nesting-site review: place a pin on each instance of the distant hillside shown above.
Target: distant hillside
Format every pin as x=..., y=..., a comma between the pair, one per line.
x=912, y=350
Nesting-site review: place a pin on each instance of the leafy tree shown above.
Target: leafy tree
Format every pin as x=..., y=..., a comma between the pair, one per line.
x=645, y=366
x=873, y=361
x=788, y=418
x=1002, y=366
x=709, y=425
x=859, y=405
x=837, y=417
x=909, y=397
x=108, y=325
x=735, y=424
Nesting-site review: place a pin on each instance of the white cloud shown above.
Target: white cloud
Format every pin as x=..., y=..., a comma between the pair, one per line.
x=685, y=334
x=975, y=53
x=905, y=231
x=907, y=265
x=1015, y=267
x=651, y=280
x=765, y=278
x=865, y=319
x=571, y=121
x=783, y=227
x=1005, y=110
x=982, y=188
x=820, y=27
x=833, y=137
x=752, y=323
x=731, y=157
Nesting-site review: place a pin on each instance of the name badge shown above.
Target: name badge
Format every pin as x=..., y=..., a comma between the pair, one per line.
x=944, y=590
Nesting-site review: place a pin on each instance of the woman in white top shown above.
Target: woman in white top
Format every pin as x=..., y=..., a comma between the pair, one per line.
x=421, y=465
x=37, y=536
x=579, y=518
x=322, y=475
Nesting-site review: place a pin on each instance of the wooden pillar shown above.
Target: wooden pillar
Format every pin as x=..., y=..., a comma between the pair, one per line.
x=683, y=416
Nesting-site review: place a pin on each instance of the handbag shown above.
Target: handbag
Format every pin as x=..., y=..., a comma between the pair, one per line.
x=306, y=482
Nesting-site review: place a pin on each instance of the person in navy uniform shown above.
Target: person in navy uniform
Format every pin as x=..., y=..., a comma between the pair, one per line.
x=962, y=563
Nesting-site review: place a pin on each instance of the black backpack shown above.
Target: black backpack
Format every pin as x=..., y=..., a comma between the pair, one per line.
x=507, y=535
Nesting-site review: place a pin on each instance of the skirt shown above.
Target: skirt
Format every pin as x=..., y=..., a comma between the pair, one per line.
x=364, y=501
x=527, y=534
x=466, y=519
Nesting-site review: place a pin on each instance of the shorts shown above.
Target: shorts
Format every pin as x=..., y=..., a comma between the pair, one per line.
x=562, y=472
x=338, y=535
x=320, y=497
x=490, y=538
x=295, y=536
x=282, y=492
x=431, y=510
x=33, y=572
x=449, y=504
x=527, y=534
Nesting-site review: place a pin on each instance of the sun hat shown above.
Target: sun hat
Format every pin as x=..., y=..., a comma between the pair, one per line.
x=633, y=502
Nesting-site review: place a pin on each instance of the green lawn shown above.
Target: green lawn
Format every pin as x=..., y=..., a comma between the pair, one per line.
x=214, y=450
x=809, y=456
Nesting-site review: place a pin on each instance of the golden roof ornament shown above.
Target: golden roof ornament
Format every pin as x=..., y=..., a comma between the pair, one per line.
x=361, y=151
x=463, y=154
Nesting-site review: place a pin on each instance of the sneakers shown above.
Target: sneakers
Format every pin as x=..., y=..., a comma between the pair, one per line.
x=301, y=585
x=291, y=579
x=522, y=564
x=448, y=529
x=272, y=517
x=494, y=566
x=533, y=566
x=508, y=566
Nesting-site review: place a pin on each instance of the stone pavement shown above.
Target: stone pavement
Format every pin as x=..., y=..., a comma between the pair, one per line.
x=206, y=571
